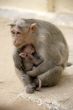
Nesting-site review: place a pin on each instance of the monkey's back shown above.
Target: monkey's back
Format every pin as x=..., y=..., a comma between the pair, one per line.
x=50, y=42
x=49, y=30
x=53, y=41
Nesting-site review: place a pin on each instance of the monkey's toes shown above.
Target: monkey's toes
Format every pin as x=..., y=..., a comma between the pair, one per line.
x=30, y=89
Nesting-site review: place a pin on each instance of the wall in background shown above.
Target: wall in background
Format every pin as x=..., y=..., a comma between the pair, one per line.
x=64, y=6
x=35, y=5
x=40, y=5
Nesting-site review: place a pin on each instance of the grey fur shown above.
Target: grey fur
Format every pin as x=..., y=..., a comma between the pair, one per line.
x=51, y=45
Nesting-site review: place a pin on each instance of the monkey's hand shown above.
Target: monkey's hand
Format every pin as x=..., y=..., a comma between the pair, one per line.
x=43, y=67
x=32, y=72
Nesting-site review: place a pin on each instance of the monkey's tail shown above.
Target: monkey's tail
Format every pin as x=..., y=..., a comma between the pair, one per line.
x=39, y=85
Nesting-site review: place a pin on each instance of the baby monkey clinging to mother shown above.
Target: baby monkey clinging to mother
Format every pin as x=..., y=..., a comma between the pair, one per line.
x=30, y=57
x=50, y=47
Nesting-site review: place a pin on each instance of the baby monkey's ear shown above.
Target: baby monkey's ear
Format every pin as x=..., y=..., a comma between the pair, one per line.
x=33, y=27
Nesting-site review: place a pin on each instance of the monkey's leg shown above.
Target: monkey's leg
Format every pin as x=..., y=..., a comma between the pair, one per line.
x=20, y=70
x=27, y=81
x=51, y=77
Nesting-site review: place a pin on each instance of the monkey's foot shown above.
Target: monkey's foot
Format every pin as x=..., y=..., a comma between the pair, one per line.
x=30, y=88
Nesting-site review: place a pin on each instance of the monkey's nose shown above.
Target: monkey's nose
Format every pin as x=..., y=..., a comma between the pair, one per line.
x=16, y=43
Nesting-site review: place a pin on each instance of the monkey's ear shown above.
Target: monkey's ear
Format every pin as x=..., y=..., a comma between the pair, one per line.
x=33, y=27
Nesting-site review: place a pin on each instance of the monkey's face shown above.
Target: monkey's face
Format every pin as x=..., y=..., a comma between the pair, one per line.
x=17, y=36
x=22, y=33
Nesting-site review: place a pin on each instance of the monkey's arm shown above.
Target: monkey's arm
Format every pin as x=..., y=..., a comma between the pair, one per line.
x=18, y=61
x=20, y=69
x=43, y=67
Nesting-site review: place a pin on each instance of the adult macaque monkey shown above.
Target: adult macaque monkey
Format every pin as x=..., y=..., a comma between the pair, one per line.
x=49, y=43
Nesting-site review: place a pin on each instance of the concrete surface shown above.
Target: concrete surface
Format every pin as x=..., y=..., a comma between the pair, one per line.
x=62, y=19
x=8, y=86
x=12, y=91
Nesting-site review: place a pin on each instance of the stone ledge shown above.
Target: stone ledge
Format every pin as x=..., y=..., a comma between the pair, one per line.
x=61, y=19
x=36, y=102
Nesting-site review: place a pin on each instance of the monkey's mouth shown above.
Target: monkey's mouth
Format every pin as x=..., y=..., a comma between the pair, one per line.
x=19, y=45
x=16, y=44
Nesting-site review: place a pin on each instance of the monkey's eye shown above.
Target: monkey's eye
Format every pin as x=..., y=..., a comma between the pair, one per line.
x=12, y=32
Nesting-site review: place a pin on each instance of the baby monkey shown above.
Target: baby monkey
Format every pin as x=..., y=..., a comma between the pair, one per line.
x=30, y=57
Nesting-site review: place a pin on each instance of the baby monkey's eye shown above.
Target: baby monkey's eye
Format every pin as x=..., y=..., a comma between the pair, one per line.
x=18, y=33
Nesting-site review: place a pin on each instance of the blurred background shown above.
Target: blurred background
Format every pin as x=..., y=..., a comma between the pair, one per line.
x=65, y=6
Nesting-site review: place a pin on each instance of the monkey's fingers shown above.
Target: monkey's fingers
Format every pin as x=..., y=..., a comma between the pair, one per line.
x=22, y=55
